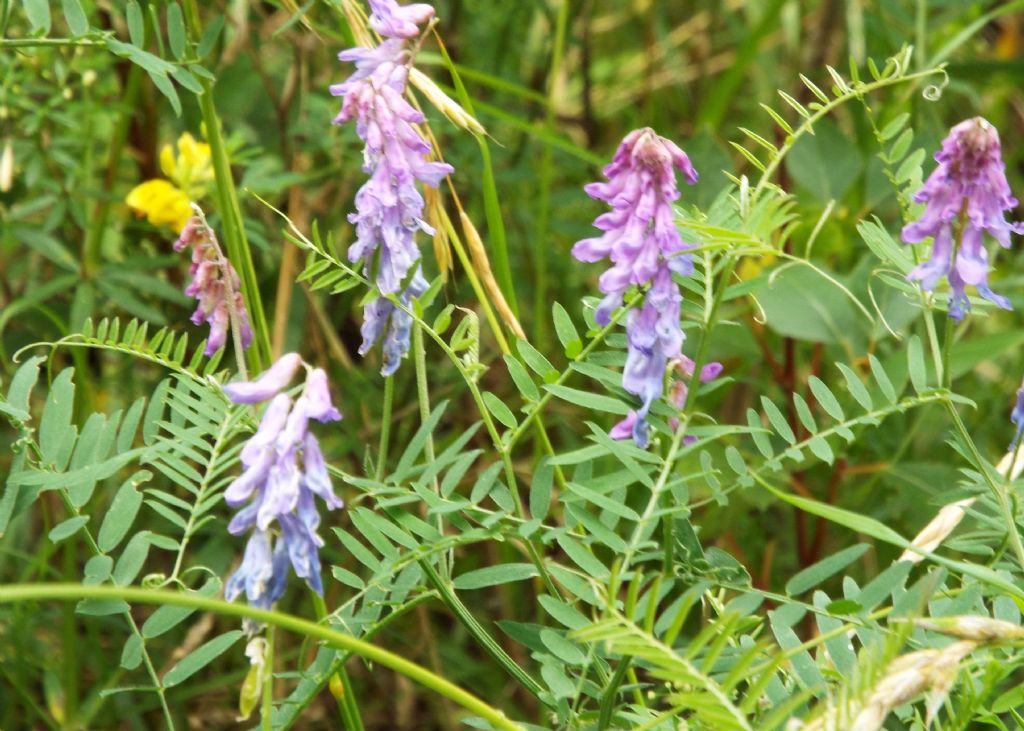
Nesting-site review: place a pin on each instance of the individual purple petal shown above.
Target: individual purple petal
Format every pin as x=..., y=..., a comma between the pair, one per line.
x=624, y=429
x=281, y=493
x=318, y=479
x=242, y=486
x=273, y=380
x=273, y=422
x=255, y=571
x=396, y=21
x=319, y=397
x=711, y=371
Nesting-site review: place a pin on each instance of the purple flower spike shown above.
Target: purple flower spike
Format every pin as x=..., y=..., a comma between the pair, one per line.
x=644, y=246
x=318, y=398
x=389, y=206
x=216, y=286
x=969, y=185
x=269, y=384
x=284, y=469
x=392, y=20
x=640, y=233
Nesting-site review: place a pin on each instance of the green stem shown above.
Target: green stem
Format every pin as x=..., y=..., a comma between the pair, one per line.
x=466, y=618
x=347, y=705
x=541, y=302
x=385, y=429
x=607, y=711
x=947, y=347
x=231, y=214
x=50, y=42
x=267, y=705
x=419, y=354
x=999, y=491
x=492, y=205
x=824, y=111
x=11, y=593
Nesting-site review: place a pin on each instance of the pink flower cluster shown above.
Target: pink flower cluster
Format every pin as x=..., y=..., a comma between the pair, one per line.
x=215, y=285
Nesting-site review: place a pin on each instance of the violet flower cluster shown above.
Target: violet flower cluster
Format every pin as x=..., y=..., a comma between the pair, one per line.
x=216, y=286
x=389, y=207
x=283, y=470
x=969, y=187
x=642, y=242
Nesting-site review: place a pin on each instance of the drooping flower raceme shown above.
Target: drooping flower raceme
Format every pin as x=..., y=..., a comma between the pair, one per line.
x=642, y=242
x=389, y=207
x=216, y=286
x=968, y=186
x=284, y=469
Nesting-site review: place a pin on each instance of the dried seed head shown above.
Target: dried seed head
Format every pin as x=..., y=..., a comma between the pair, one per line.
x=937, y=530
x=6, y=167
x=973, y=627
x=445, y=104
x=926, y=671
x=483, y=269
x=1014, y=457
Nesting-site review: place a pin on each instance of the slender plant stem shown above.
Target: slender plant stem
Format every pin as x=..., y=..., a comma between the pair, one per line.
x=11, y=593
x=234, y=228
x=492, y=204
x=341, y=686
x=267, y=705
x=544, y=177
x=47, y=42
x=419, y=354
x=999, y=491
x=947, y=347
x=466, y=618
x=147, y=661
x=385, y=429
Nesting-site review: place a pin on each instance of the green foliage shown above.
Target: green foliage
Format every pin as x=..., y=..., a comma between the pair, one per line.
x=750, y=576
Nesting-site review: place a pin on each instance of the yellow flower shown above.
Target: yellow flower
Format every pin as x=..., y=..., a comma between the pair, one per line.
x=192, y=169
x=166, y=202
x=161, y=202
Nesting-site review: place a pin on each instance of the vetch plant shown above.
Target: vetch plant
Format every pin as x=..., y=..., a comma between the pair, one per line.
x=752, y=485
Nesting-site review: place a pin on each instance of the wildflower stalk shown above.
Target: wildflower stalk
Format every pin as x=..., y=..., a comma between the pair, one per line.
x=231, y=214
x=474, y=282
x=347, y=705
x=544, y=175
x=12, y=593
x=267, y=704
x=492, y=205
x=385, y=428
x=419, y=355
x=658, y=491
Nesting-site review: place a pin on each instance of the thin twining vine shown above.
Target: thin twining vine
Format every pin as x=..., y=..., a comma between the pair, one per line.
x=849, y=91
